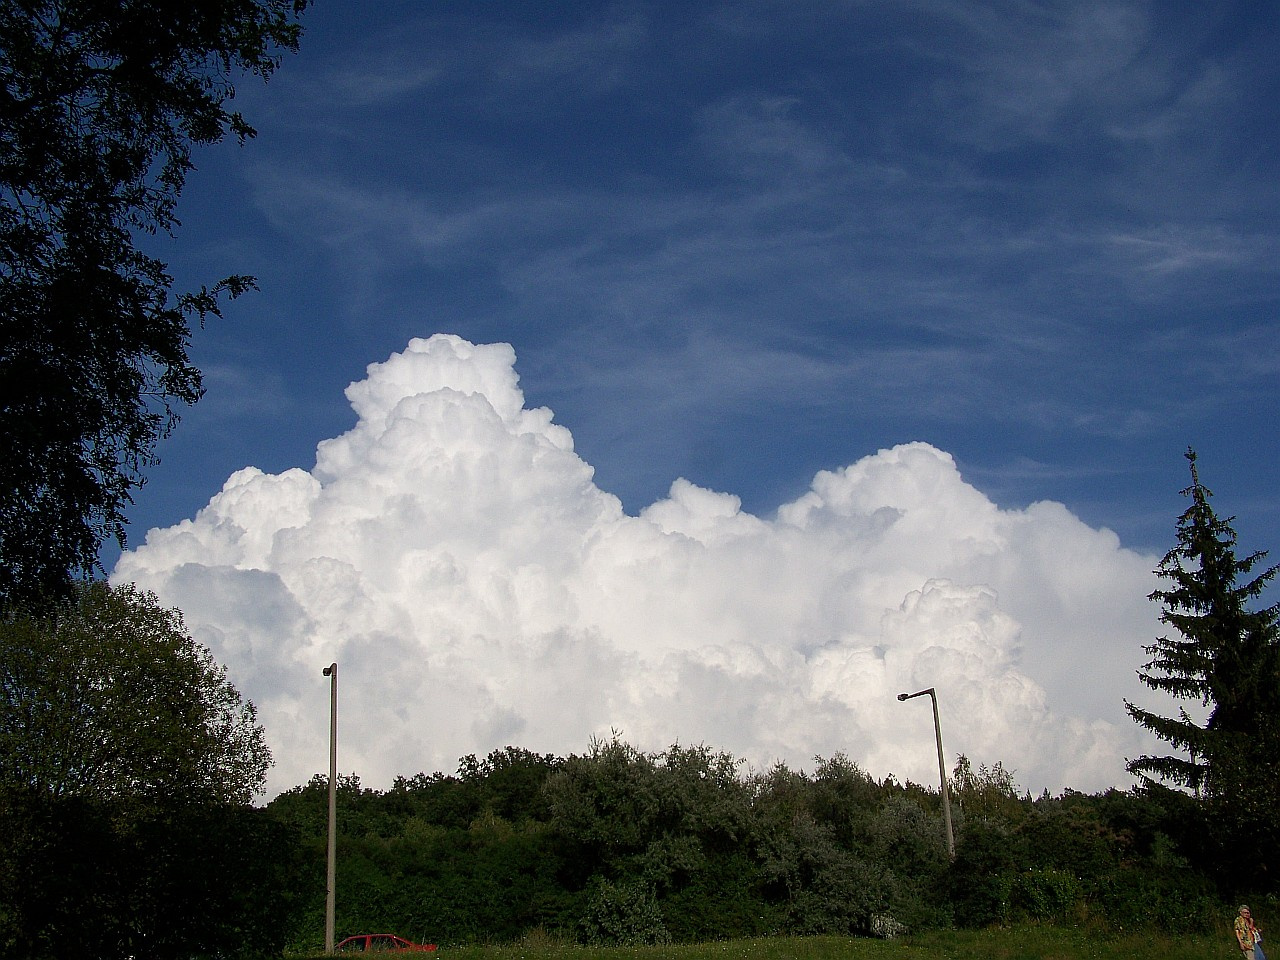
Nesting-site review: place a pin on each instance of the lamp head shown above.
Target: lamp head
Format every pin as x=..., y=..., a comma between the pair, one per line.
x=329, y=670
x=903, y=696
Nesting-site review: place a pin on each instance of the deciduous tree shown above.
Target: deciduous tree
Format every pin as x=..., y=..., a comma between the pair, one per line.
x=110, y=700
x=101, y=102
x=127, y=760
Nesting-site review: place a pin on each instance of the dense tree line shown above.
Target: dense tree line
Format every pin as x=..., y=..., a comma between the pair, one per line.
x=618, y=845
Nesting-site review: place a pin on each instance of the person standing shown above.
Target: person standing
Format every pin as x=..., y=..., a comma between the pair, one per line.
x=1248, y=936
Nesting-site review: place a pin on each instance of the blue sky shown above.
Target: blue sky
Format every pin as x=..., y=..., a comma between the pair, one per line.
x=742, y=242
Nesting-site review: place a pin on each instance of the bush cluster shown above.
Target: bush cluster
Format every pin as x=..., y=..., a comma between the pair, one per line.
x=618, y=846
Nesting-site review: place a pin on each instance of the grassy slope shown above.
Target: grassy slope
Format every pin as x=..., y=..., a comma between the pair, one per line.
x=1017, y=943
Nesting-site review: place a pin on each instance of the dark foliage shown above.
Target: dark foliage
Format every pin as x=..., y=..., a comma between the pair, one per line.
x=988, y=858
x=101, y=102
x=126, y=763
x=109, y=699
x=84, y=878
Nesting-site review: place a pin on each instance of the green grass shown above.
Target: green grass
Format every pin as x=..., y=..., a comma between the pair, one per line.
x=1015, y=943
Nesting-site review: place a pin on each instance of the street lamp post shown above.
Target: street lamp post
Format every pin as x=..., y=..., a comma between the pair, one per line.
x=331, y=671
x=942, y=767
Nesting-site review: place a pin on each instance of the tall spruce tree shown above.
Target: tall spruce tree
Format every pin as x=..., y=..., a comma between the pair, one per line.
x=1226, y=656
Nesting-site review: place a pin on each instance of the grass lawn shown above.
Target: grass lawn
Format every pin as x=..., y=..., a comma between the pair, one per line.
x=1016, y=943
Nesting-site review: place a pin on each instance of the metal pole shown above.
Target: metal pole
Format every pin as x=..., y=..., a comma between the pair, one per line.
x=942, y=774
x=942, y=768
x=331, y=672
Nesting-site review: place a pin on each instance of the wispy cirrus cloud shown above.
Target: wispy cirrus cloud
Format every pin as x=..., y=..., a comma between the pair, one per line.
x=999, y=228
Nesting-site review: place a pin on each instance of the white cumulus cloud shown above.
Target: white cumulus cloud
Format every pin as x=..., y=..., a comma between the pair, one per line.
x=453, y=554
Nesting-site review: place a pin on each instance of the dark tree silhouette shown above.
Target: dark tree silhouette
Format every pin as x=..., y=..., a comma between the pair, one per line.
x=1226, y=656
x=127, y=761
x=101, y=102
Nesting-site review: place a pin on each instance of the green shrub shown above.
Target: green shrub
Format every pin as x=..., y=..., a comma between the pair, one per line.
x=622, y=914
x=1046, y=896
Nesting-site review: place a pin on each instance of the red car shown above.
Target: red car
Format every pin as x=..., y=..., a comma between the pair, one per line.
x=381, y=943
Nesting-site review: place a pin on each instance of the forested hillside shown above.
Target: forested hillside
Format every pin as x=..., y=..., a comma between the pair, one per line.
x=618, y=845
